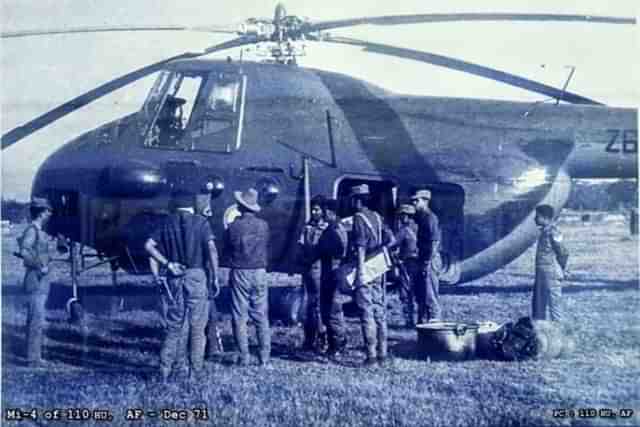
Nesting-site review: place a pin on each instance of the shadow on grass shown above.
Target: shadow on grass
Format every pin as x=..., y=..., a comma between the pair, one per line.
x=615, y=286
x=84, y=353
x=71, y=336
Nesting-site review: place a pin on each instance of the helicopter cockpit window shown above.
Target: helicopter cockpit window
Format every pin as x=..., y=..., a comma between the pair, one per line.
x=195, y=111
x=168, y=109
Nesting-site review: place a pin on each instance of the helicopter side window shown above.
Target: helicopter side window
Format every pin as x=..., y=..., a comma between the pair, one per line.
x=218, y=120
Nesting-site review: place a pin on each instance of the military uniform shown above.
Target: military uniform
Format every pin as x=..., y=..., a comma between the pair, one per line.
x=311, y=279
x=370, y=232
x=407, y=239
x=428, y=293
x=332, y=249
x=184, y=239
x=247, y=238
x=34, y=249
x=551, y=259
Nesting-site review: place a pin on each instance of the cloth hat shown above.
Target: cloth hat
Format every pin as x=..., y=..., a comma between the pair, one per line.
x=40, y=202
x=422, y=194
x=331, y=205
x=183, y=200
x=406, y=209
x=359, y=190
x=248, y=199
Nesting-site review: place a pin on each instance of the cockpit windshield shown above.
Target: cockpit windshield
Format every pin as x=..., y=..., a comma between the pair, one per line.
x=194, y=111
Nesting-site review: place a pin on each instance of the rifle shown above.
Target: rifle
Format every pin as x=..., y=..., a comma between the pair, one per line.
x=401, y=269
x=163, y=287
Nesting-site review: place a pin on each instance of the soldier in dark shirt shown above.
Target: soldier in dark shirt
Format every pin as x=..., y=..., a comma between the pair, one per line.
x=369, y=234
x=247, y=238
x=428, y=295
x=34, y=250
x=314, y=328
x=407, y=246
x=551, y=268
x=185, y=246
x=331, y=250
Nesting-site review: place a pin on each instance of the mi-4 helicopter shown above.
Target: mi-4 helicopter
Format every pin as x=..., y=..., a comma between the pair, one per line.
x=291, y=132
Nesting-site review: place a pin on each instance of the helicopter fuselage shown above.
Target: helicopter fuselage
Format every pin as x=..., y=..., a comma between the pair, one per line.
x=292, y=132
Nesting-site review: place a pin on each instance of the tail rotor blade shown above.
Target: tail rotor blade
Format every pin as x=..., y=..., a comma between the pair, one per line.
x=466, y=67
x=51, y=116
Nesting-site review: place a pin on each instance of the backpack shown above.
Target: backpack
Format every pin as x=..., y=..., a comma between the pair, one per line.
x=516, y=341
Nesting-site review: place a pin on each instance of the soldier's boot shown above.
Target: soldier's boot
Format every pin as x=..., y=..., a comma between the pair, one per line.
x=310, y=337
x=337, y=346
x=214, y=343
x=322, y=343
x=264, y=357
x=243, y=359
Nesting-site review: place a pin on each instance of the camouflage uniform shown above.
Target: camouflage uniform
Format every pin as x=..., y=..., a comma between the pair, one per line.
x=551, y=259
x=428, y=293
x=370, y=297
x=331, y=250
x=408, y=255
x=35, y=253
x=311, y=279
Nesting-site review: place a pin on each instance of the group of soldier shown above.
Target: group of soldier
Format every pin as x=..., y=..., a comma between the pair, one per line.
x=330, y=252
x=335, y=266
x=185, y=248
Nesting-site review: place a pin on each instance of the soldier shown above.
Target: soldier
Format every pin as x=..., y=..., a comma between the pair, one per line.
x=369, y=235
x=247, y=238
x=407, y=244
x=428, y=293
x=314, y=328
x=551, y=268
x=185, y=246
x=332, y=250
x=34, y=250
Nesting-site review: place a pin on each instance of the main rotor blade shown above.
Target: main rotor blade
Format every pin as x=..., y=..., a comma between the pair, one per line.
x=117, y=28
x=51, y=116
x=457, y=17
x=466, y=67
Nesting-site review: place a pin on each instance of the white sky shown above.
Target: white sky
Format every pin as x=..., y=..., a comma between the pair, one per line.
x=39, y=73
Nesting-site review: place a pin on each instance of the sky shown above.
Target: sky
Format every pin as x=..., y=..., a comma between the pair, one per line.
x=39, y=73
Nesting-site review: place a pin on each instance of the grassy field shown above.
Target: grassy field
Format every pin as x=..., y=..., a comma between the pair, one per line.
x=111, y=368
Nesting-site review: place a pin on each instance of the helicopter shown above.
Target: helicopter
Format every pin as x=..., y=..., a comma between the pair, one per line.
x=292, y=132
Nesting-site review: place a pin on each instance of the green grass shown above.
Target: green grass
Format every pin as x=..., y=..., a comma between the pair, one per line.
x=111, y=368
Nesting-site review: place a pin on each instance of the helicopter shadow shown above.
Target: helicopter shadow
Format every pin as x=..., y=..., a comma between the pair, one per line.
x=86, y=353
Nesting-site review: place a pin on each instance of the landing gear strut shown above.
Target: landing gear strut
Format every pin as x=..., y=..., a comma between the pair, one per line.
x=74, y=308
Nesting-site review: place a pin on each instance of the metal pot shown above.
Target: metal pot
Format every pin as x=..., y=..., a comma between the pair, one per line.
x=447, y=340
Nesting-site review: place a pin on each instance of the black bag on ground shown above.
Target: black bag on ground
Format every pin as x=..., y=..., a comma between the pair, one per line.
x=516, y=341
